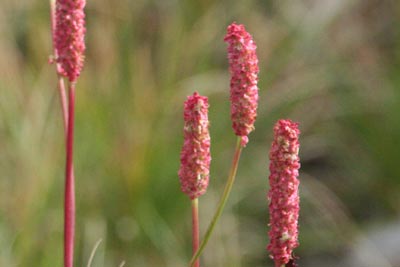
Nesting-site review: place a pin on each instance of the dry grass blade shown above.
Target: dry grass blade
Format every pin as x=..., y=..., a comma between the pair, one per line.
x=93, y=252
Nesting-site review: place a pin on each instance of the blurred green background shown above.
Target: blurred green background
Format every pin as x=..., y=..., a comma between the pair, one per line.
x=331, y=65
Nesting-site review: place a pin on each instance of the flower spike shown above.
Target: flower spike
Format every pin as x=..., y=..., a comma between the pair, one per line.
x=69, y=37
x=284, y=192
x=243, y=66
x=195, y=155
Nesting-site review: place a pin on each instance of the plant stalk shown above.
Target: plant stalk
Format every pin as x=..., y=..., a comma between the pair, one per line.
x=195, y=229
x=69, y=204
x=67, y=109
x=222, y=202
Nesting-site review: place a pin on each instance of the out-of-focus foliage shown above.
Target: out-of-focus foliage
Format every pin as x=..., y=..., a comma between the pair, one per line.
x=333, y=66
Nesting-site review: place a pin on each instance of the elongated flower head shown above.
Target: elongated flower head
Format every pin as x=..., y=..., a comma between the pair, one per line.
x=243, y=66
x=195, y=155
x=69, y=37
x=284, y=192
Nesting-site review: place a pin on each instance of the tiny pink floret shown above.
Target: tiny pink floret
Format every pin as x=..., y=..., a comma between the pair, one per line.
x=284, y=192
x=194, y=171
x=69, y=37
x=243, y=66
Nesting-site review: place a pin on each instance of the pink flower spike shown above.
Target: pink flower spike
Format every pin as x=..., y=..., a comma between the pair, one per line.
x=195, y=155
x=243, y=66
x=69, y=37
x=284, y=192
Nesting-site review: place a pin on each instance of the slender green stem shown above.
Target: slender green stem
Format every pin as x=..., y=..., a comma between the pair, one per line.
x=222, y=202
x=195, y=229
x=64, y=103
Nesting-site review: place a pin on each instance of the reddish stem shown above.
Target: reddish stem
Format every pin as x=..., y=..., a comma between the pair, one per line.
x=195, y=229
x=69, y=204
x=67, y=108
